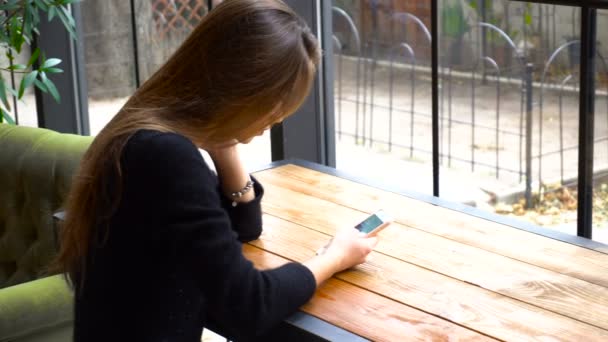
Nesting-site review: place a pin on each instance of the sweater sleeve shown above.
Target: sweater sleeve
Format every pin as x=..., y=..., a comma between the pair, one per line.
x=246, y=218
x=241, y=299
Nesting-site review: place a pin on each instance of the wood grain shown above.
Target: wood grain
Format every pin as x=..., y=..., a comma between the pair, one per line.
x=470, y=306
x=368, y=314
x=547, y=289
x=547, y=253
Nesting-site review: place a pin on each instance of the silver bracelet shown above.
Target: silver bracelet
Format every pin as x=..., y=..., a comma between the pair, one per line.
x=243, y=191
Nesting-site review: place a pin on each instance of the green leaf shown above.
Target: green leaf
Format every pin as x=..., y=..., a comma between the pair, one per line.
x=26, y=82
x=3, y=94
x=9, y=54
x=17, y=67
x=5, y=115
x=51, y=87
x=52, y=13
x=42, y=5
x=16, y=36
x=35, y=18
x=53, y=70
x=65, y=19
x=34, y=57
x=51, y=62
x=41, y=86
x=68, y=16
x=12, y=91
x=9, y=6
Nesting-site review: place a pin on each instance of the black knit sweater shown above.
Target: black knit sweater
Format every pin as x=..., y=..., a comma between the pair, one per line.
x=173, y=264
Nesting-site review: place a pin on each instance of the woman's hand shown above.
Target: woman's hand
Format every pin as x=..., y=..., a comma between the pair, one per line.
x=350, y=248
x=347, y=249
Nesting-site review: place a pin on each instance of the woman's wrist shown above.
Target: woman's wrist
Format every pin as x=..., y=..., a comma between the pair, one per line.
x=233, y=176
x=323, y=267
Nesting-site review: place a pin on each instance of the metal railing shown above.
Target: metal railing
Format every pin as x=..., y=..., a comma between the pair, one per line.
x=402, y=55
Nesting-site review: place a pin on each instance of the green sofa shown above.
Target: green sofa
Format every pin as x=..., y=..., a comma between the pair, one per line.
x=36, y=167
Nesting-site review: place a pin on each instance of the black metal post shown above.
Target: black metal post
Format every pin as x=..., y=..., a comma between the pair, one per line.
x=277, y=150
x=529, y=98
x=586, y=121
x=309, y=134
x=135, y=47
x=435, y=92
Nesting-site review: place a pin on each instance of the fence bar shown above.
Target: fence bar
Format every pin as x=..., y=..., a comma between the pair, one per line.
x=582, y=3
x=484, y=38
x=435, y=91
x=586, y=121
x=529, y=98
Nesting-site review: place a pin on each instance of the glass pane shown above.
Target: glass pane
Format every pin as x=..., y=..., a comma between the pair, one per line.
x=600, y=160
x=382, y=90
x=509, y=108
x=162, y=25
x=109, y=56
x=383, y=101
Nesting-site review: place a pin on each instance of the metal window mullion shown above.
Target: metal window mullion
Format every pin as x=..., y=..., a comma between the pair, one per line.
x=586, y=121
x=327, y=128
x=308, y=134
x=277, y=150
x=135, y=44
x=435, y=92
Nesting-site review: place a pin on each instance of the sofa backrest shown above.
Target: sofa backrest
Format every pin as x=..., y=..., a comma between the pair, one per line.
x=36, y=169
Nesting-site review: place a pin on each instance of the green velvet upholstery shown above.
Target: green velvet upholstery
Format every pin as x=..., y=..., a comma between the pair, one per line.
x=36, y=308
x=36, y=168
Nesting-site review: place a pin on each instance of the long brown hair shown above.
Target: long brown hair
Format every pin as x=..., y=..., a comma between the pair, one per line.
x=247, y=65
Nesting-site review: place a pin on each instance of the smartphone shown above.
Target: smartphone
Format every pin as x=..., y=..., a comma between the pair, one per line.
x=374, y=223
x=370, y=226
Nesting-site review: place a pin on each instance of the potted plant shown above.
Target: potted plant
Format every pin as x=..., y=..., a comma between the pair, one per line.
x=19, y=21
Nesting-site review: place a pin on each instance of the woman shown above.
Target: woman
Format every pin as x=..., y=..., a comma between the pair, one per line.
x=151, y=238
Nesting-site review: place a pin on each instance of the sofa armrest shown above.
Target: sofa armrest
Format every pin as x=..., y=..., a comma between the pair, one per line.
x=34, y=306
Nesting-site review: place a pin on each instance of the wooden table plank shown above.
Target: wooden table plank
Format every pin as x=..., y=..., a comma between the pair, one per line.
x=551, y=254
x=553, y=291
x=363, y=312
x=470, y=306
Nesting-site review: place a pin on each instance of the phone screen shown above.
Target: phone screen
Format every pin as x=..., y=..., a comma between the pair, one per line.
x=369, y=224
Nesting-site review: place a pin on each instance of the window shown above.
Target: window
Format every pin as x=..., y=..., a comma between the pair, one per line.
x=110, y=49
x=600, y=174
x=509, y=89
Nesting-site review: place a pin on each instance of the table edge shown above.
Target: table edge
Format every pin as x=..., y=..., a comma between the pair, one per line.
x=473, y=211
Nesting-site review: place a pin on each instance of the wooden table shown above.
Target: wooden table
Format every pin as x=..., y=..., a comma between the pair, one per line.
x=438, y=273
